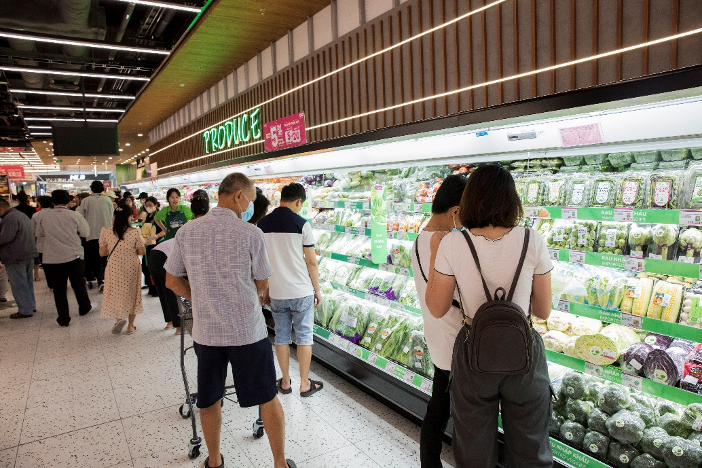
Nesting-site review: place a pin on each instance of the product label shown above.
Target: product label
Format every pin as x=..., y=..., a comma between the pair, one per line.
x=658, y=442
x=533, y=192
x=558, y=234
x=602, y=192
x=662, y=191
x=619, y=423
x=635, y=364
x=634, y=264
x=661, y=299
x=630, y=191
x=554, y=191
x=695, y=311
x=678, y=451
x=611, y=238
x=697, y=190
x=686, y=259
x=637, y=253
x=660, y=375
x=624, y=459
x=654, y=256
x=582, y=235
x=578, y=192
x=697, y=425
x=593, y=448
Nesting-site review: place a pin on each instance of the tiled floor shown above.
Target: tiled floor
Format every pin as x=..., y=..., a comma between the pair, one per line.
x=82, y=397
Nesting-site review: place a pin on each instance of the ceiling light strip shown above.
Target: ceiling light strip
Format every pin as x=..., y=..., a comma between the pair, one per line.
x=71, y=109
x=172, y=6
x=70, y=120
x=95, y=45
x=517, y=76
x=210, y=154
x=73, y=73
x=39, y=127
x=66, y=93
x=345, y=67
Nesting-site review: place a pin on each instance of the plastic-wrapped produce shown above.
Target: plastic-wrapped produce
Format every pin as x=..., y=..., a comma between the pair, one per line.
x=363, y=280
x=606, y=290
x=613, y=238
x=692, y=198
x=597, y=421
x=692, y=416
x=637, y=296
x=663, y=237
x=690, y=243
x=664, y=189
x=419, y=358
x=675, y=154
x=634, y=358
x=534, y=192
x=573, y=433
x=376, y=318
x=593, y=159
x=657, y=341
x=666, y=301
x=696, y=437
x=604, y=191
x=555, y=191
x=691, y=314
x=578, y=410
x=578, y=191
x=621, y=159
x=621, y=455
x=671, y=423
x=646, y=461
x=555, y=424
x=665, y=367
x=574, y=385
x=639, y=240
x=560, y=321
x=614, y=398
x=391, y=333
x=353, y=321
x=653, y=440
x=583, y=236
x=647, y=156
x=559, y=236
x=692, y=373
x=626, y=426
x=555, y=341
x=596, y=443
x=685, y=345
x=681, y=453
x=632, y=190
x=324, y=313
x=585, y=326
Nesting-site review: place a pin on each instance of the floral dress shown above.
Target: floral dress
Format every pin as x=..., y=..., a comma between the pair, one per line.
x=122, y=293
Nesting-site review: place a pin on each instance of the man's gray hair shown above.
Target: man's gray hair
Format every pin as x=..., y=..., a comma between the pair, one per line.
x=233, y=182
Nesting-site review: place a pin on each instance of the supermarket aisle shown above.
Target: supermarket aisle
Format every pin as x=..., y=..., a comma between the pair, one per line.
x=82, y=397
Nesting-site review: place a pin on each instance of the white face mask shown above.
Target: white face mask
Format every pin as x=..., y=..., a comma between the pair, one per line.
x=150, y=209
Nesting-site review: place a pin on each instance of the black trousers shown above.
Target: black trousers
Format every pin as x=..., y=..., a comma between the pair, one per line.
x=94, y=263
x=435, y=421
x=145, y=270
x=169, y=301
x=56, y=276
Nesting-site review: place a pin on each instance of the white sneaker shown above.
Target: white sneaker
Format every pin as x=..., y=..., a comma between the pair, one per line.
x=102, y=286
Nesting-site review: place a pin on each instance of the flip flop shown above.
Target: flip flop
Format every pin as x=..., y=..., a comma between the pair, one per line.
x=291, y=464
x=313, y=388
x=117, y=329
x=284, y=391
x=131, y=332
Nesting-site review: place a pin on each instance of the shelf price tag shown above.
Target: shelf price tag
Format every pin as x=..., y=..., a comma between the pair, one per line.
x=564, y=306
x=632, y=321
x=353, y=260
x=569, y=213
x=347, y=205
x=404, y=271
x=634, y=264
x=553, y=254
x=531, y=212
x=417, y=207
x=632, y=381
x=390, y=367
x=576, y=256
x=409, y=376
x=686, y=259
x=624, y=215
x=690, y=218
x=372, y=357
x=366, y=205
x=592, y=369
x=426, y=385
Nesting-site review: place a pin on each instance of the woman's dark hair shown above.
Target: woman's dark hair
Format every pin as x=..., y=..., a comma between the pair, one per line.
x=171, y=191
x=449, y=194
x=200, y=193
x=121, y=223
x=22, y=197
x=127, y=195
x=261, y=204
x=490, y=199
x=200, y=203
x=45, y=202
x=152, y=200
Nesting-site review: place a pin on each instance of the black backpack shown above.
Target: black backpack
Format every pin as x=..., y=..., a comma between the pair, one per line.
x=500, y=339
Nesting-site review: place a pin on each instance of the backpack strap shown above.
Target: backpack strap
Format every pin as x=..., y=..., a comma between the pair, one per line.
x=477, y=263
x=454, y=302
x=519, y=266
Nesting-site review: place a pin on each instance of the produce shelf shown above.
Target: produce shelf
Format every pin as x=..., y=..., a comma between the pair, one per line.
x=366, y=263
x=648, y=324
x=615, y=375
x=399, y=235
x=401, y=373
x=365, y=205
x=680, y=217
x=623, y=262
x=378, y=300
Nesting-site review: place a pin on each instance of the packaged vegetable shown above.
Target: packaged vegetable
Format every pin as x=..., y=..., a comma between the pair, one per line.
x=583, y=236
x=666, y=301
x=681, y=453
x=585, y=326
x=637, y=296
x=573, y=433
x=614, y=398
x=692, y=416
x=632, y=190
x=573, y=160
x=665, y=367
x=647, y=156
x=534, y=192
x=621, y=159
x=613, y=238
x=626, y=426
x=559, y=236
x=675, y=154
x=692, y=372
x=645, y=167
x=376, y=318
x=574, y=384
x=671, y=423
x=646, y=461
x=592, y=159
x=639, y=240
x=673, y=165
x=693, y=188
x=353, y=321
x=663, y=237
x=555, y=191
x=621, y=455
x=664, y=190
x=419, y=358
x=554, y=426
x=604, y=191
x=596, y=443
x=555, y=340
x=578, y=410
x=652, y=441
x=690, y=243
x=657, y=341
x=597, y=421
x=560, y=321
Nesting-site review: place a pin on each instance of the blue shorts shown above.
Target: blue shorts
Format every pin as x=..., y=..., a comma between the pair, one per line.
x=253, y=370
x=293, y=314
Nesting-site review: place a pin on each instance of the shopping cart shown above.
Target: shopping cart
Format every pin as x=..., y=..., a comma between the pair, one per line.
x=186, y=409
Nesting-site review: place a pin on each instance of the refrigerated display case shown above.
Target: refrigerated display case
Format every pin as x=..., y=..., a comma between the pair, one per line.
x=619, y=207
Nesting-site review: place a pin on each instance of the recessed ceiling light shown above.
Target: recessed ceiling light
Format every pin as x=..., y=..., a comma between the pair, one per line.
x=110, y=157
x=127, y=144
x=121, y=149
x=147, y=150
x=44, y=141
x=81, y=43
x=51, y=144
x=140, y=134
x=53, y=71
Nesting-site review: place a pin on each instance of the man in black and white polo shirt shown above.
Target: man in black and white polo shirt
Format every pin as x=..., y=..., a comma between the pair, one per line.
x=294, y=286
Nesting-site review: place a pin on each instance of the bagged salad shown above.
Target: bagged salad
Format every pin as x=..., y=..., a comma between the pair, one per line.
x=578, y=191
x=555, y=190
x=419, y=358
x=664, y=189
x=376, y=317
x=400, y=254
x=604, y=190
x=353, y=320
x=534, y=191
x=693, y=188
x=390, y=335
x=633, y=188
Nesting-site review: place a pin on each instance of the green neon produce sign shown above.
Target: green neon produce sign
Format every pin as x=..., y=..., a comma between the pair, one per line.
x=235, y=131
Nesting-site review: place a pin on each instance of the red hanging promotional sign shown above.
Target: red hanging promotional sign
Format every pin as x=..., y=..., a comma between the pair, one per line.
x=13, y=172
x=284, y=133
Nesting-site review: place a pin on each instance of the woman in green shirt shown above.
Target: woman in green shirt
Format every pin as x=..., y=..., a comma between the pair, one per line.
x=174, y=216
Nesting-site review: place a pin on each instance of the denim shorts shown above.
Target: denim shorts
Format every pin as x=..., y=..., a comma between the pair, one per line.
x=293, y=314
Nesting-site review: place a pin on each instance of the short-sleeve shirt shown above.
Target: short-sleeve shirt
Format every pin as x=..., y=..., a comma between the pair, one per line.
x=498, y=260
x=286, y=235
x=222, y=256
x=161, y=214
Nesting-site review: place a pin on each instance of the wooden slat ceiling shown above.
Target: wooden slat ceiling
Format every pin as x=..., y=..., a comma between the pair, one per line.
x=231, y=33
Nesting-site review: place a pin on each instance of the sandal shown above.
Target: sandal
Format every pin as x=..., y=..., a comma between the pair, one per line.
x=284, y=391
x=131, y=332
x=313, y=388
x=207, y=462
x=17, y=315
x=291, y=464
x=117, y=329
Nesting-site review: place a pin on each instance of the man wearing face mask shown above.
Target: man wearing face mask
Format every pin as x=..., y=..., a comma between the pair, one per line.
x=226, y=263
x=294, y=286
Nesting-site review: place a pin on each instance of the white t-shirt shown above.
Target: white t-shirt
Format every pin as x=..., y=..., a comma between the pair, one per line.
x=440, y=333
x=498, y=260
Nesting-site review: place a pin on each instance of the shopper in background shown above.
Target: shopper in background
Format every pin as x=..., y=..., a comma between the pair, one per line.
x=23, y=204
x=128, y=198
x=294, y=286
x=261, y=204
x=200, y=205
x=33, y=202
x=17, y=252
x=45, y=205
x=113, y=198
x=61, y=230
x=73, y=204
x=490, y=210
x=118, y=195
x=151, y=233
x=97, y=211
x=122, y=246
x=142, y=202
x=228, y=326
x=440, y=333
x=174, y=216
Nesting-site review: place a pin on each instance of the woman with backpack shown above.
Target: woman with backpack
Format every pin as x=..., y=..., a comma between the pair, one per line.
x=502, y=275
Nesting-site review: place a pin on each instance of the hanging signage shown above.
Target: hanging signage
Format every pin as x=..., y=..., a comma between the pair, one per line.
x=14, y=149
x=107, y=184
x=581, y=135
x=379, y=225
x=4, y=185
x=236, y=131
x=286, y=132
x=13, y=172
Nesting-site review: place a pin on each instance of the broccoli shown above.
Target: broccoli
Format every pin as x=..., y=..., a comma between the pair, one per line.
x=653, y=440
x=667, y=407
x=696, y=437
x=646, y=461
x=578, y=410
x=647, y=414
x=691, y=241
x=574, y=385
x=573, y=433
x=643, y=400
x=593, y=391
x=692, y=416
x=597, y=420
x=639, y=238
x=559, y=403
x=664, y=236
x=673, y=426
x=596, y=443
x=614, y=398
x=681, y=453
x=625, y=426
x=555, y=425
x=622, y=455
